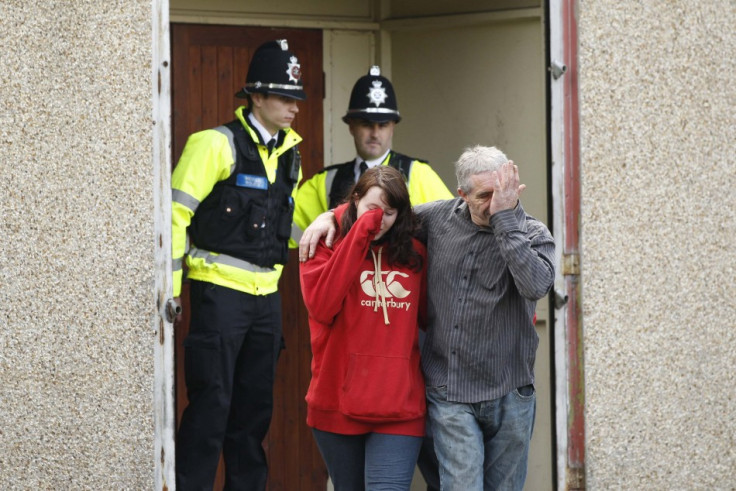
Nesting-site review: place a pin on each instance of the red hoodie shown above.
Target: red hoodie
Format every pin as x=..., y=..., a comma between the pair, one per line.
x=365, y=354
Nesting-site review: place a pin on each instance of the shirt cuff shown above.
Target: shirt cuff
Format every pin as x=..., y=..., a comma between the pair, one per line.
x=508, y=220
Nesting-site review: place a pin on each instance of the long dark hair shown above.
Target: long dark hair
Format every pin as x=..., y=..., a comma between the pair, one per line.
x=398, y=239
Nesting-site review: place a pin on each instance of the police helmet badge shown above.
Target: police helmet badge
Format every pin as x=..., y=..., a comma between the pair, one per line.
x=294, y=70
x=377, y=93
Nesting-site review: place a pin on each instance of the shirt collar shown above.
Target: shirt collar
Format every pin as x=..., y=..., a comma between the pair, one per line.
x=262, y=131
x=370, y=163
x=462, y=210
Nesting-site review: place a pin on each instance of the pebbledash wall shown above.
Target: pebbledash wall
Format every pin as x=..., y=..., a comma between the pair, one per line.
x=658, y=154
x=77, y=302
x=77, y=306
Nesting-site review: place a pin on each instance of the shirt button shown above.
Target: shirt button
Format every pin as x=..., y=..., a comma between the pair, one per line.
x=455, y=326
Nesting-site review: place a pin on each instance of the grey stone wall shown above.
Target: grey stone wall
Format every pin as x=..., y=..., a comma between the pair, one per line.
x=76, y=261
x=658, y=125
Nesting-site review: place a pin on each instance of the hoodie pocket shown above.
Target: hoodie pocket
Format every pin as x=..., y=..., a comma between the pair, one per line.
x=379, y=389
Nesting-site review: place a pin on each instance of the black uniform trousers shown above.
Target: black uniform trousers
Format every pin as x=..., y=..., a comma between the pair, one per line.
x=230, y=362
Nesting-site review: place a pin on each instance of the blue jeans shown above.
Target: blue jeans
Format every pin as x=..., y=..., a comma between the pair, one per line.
x=483, y=445
x=373, y=461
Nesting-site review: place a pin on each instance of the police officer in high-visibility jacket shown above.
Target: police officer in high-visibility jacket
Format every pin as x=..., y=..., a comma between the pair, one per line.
x=233, y=194
x=371, y=117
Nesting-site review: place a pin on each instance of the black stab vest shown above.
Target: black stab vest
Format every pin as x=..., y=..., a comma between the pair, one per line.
x=345, y=176
x=241, y=220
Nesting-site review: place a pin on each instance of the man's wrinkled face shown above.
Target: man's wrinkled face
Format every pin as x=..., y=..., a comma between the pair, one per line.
x=479, y=197
x=372, y=140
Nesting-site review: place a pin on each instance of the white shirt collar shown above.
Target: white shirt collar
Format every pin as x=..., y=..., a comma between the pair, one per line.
x=370, y=163
x=265, y=135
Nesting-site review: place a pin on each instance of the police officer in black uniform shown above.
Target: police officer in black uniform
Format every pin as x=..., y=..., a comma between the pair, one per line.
x=233, y=193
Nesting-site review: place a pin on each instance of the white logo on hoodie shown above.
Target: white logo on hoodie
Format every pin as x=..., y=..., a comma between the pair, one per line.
x=390, y=288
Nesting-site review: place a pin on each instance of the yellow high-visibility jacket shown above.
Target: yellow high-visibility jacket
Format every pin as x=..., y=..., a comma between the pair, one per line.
x=209, y=157
x=313, y=197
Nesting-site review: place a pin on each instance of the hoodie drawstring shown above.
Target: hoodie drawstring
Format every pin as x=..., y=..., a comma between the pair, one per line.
x=378, y=285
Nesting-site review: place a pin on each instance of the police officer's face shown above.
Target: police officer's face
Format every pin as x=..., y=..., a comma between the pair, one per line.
x=275, y=112
x=371, y=139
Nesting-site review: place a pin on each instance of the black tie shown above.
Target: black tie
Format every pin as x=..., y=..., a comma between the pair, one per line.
x=363, y=168
x=270, y=145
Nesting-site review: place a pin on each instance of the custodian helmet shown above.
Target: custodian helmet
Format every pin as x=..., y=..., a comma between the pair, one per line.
x=373, y=99
x=274, y=70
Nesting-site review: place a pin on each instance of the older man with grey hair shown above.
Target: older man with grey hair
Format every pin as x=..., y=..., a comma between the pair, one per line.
x=488, y=265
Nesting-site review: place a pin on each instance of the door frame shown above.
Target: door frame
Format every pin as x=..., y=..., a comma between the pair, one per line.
x=565, y=192
x=164, y=381
x=565, y=179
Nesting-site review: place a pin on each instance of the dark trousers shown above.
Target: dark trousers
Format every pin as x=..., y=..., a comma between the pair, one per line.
x=230, y=362
x=427, y=462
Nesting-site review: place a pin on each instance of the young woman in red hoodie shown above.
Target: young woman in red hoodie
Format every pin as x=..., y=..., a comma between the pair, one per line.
x=366, y=300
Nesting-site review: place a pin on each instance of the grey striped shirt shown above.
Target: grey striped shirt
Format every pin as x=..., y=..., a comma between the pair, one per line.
x=483, y=287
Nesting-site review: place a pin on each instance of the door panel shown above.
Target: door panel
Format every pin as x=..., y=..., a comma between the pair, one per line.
x=496, y=95
x=209, y=65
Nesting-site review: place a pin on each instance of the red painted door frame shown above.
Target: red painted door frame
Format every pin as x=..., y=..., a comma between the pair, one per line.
x=571, y=254
x=566, y=136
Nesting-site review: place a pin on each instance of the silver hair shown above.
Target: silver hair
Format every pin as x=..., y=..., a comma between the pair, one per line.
x=477, y=160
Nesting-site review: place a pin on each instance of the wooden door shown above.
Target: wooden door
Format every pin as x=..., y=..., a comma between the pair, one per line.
x=209, y=66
